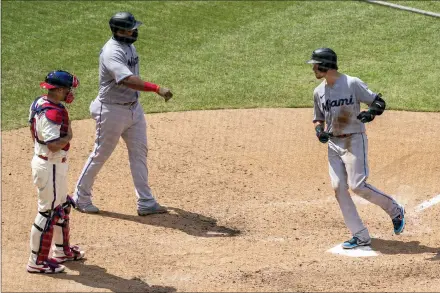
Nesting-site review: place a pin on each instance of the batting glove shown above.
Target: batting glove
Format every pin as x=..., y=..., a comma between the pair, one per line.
x=365, y=116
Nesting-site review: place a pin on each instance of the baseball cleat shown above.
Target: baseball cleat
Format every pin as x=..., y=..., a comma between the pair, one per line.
x=399, y=221
x=88, y=209
x=48, y=267
x=355, y=242
x=75, y=254
x=156, y=209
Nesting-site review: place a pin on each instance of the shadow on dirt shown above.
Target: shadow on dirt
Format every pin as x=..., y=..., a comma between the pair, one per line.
x=188, y=222
x=97, y=277
x=400, y=247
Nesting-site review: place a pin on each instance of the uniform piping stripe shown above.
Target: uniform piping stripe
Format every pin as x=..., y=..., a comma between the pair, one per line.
x=54, y=170
x=365, y=172
x=377, y=191
x=97, y=146
x=365, y=157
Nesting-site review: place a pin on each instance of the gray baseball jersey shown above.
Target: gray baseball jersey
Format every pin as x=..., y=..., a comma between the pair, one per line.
x=339, y=105
x=117, y=61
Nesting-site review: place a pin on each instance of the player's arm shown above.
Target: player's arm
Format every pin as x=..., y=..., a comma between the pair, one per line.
x=318, y=120
x=51, y=131
x=376, y=105
x=56, y=145
x=136, y=83
x=32, y=133
x=116, y=62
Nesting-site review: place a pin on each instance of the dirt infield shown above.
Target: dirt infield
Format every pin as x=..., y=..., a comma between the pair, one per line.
x=252, y=209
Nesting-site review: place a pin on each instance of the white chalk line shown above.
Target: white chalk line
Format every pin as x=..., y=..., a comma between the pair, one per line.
x=401, y=7
x=428, y=203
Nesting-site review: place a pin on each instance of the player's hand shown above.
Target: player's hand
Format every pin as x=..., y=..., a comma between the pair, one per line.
x=322, y=135
x=165, y=93
x=365, y=116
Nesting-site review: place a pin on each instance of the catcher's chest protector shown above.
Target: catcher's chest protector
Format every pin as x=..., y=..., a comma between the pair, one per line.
x=55, y=113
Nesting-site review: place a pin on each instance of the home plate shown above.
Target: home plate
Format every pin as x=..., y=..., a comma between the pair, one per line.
x=360, y=251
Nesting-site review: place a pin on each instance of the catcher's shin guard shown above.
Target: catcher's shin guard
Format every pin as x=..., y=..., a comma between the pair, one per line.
x=63, y=251
x=41, y=236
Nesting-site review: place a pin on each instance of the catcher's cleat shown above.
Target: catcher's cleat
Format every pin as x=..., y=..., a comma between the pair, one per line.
x=49, y=266
x=75, y=254
x=156, y=209
x=399, y=221
x=355, y=242
x=88, y=209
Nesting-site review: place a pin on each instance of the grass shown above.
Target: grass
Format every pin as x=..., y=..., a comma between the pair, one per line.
x=222, y=54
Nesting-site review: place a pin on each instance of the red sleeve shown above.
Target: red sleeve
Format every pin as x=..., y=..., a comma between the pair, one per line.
x=54, y=116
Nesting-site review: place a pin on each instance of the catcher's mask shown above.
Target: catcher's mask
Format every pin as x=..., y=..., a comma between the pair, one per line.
x=61, y=79
x=124, y=21
x=325, y=58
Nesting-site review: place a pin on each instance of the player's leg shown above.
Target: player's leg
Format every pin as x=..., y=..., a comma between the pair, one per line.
x=42, y=228
x=62, y=250
x=356, y=162
x=110, y=123
x=135, y=138
x=351, y=216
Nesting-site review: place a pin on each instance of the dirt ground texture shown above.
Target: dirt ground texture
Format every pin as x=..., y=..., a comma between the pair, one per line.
x=251, y=204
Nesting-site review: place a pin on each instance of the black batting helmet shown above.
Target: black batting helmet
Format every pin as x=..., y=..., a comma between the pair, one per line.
x=123, y=21
x=326, y=58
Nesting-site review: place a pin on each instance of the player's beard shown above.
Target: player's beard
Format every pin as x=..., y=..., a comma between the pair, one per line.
x=319, y=74
x=127, y=39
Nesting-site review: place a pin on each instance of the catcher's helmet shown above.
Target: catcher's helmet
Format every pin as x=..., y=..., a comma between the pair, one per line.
x=123, y=21
x=326, y=58
x=59, y=78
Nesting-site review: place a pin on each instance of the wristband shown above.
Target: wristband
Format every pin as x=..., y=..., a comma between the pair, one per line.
x=151, y=87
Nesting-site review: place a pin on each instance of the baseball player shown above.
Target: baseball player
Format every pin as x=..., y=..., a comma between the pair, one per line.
x=339, y=121
x=51, y=133
x=118, y=113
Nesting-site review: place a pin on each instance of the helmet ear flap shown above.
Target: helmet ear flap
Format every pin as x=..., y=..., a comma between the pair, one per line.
x=69, y=98
x=322, y=68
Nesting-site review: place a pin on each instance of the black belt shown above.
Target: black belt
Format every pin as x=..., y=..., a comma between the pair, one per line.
x=128, y=104
x=341, y=136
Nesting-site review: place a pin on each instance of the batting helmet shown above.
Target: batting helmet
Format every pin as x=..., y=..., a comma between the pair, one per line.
x=123, y=21
x=59, y=78
x=326, y=58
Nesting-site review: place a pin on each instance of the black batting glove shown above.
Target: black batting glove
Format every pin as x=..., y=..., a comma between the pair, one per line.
x=321, y=134
x=365, y=116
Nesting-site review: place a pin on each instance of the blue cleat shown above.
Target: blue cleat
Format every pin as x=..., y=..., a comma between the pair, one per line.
x=355, y=242
x=399, y=221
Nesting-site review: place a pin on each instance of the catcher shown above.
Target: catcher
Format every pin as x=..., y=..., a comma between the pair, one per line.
x=51, y=134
